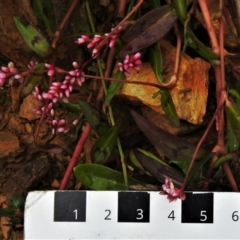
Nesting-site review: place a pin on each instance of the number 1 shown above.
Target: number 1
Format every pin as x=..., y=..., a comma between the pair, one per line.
x=75, y=211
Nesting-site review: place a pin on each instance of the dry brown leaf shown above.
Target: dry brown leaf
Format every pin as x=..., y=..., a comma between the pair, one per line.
x=190, y=93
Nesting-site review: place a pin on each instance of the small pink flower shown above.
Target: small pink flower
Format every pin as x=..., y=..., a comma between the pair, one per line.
x=51, y=69
x=172, y=193
x=133, y=61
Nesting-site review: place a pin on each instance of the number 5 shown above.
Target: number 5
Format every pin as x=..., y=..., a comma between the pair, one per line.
x=203, y=214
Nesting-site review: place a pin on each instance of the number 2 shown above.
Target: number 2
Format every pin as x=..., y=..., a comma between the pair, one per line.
x=107, y=217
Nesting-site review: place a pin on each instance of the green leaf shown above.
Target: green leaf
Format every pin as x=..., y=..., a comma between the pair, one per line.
x=155, y=58
x=16, y=200
x=134, y=161
x=233, y=116
x=232, y=142
x=205, y=52
x=159, y=170
x=181, y=9
x=104, y=146
x=183, y=165
x=95, y=118
x=44, y=12
x=169, y=108
x=33, y=38
x=235, y=95
x=32, y=80
x=114, y=87
x=222, y=159
x=99, y=177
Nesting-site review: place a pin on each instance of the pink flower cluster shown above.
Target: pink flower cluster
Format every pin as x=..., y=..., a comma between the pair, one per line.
x=172, y=193
x=93, y=43
x=58, y=90
x=10, y=72
x=58, y=125
x=130, y=62
x=62, y=90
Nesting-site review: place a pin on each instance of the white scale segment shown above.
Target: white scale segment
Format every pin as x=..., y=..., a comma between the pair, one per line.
x=130, y=215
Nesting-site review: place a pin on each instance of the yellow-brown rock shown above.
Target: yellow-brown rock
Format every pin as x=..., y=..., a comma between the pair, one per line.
x=190, y=93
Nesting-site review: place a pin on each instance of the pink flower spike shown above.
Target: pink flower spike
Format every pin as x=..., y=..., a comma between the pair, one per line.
x=137, y=56
x=2, y=75
x=75, y=122
x=5, y=69
x=94, y=52
x=61, y=122
x=75, y=65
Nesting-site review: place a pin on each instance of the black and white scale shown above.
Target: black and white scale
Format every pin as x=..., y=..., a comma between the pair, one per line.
x=131, y=215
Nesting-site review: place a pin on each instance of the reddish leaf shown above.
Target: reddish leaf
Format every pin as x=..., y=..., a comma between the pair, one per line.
x=170, y=145
x=148, y=29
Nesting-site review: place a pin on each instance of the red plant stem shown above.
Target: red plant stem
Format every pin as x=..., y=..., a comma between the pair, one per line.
x=75, y=156
x=219, y=107
x=209, y=26
x=104, y=41
x=230, y=177
x=63, y=23
x=121, y=8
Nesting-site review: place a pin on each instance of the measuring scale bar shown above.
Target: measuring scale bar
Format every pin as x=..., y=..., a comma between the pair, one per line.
x=131, y=215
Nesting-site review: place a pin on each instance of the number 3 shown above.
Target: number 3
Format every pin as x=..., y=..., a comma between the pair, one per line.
x=140, y=214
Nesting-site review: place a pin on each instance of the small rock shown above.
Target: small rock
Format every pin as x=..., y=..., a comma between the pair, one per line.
x=26, y=108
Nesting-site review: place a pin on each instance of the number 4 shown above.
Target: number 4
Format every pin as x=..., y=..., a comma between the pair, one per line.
x=171, y=215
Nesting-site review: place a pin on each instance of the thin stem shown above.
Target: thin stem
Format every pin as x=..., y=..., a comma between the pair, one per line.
x=63, y=23
x=122, y=157
x=75, y=156
x=209, y=26
x=219, y=107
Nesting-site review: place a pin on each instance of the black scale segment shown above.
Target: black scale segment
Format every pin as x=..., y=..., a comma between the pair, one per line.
x=70, y=206
x=133, y=207
x=197, y=208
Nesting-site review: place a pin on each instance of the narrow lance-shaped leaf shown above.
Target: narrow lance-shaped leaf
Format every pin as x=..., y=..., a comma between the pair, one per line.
x=158, y=170
x=104, y=146
x=148, y=29
x=155, y=58
x=95, y=118
x=227, y=157
x=170, y=145
x=181, y=9
x=33, y=38
x=233, y=116
x=169, y=108
x=167, y=104
x=114, y=87
x=232, y=143
x=44, y=12
x=193, y=42
x=99, y=177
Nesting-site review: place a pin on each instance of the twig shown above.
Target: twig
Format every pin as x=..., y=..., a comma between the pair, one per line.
x=63, y=23
x=75, y=156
